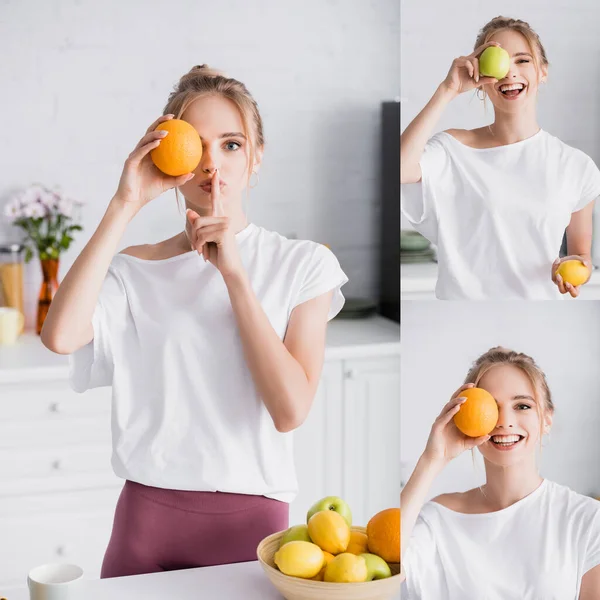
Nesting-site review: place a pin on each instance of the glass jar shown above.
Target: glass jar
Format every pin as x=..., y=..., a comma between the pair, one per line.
x=11, y=276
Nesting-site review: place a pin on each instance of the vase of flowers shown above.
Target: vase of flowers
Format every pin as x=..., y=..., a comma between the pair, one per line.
x=48, y=219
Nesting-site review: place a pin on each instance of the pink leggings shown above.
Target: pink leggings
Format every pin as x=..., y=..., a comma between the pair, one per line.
x=166, y=530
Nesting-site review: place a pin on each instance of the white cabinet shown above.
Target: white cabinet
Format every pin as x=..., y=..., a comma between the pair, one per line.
x=57, y=489
x=349, y=445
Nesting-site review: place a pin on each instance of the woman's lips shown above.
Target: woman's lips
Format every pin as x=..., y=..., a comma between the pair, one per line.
x=207, y=187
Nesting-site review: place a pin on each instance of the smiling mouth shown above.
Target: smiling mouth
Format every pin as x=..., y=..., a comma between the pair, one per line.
x=512, y=90
x=506, y=441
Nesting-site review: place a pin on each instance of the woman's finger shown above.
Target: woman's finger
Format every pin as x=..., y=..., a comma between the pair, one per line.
x=150, y=137
x=561, y=284
x=573, y=290
x=212, y=233
x=158, y=121
x=471, y=443
x=481, y=48
x=137, y=155
x=487, y=81
x=462, y=388
x=475, y=64
x=215, y=194
x=553, y=268
x=444, y=419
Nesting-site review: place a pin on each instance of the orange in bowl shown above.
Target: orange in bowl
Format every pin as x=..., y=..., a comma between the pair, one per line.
x=180, y=151
x=479, y=414
x=383, y=535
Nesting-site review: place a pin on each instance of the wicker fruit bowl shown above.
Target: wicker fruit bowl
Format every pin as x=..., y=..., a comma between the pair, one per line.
x=295, y=588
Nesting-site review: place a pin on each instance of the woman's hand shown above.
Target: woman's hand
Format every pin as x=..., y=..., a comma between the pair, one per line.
x=212, y=236
x=563, y=286
x=446, y=441
x=463, y=75
x=141, y=180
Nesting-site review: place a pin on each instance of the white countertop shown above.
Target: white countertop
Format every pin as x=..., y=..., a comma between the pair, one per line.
x=240, y=581
x=422, y=277
x=28, y=360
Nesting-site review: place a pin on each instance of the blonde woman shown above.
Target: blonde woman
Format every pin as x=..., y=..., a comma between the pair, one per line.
x=497, y=200
x=212, y=340
x=518, y=536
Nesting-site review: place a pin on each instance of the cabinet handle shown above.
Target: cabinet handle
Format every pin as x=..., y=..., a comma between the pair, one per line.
x=57, y=465
x=350, y=374
x=56, y=407
x=62, y=551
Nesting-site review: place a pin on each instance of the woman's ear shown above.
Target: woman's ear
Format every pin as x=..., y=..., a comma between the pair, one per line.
x=544, y=77
x=258, y=159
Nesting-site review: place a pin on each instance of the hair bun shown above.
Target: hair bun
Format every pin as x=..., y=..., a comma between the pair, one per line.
x=206, y=71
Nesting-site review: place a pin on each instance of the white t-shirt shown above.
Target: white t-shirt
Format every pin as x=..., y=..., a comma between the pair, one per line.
x=537, y=549
x=498, y=215
x=185, y=411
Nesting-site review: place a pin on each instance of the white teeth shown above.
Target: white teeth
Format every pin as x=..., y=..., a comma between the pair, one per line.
x=511, y=86
x=505, y=439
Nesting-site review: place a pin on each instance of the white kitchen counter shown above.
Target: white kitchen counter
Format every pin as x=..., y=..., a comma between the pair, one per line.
x=417, y=282
x=28, y=360
x=239, y=581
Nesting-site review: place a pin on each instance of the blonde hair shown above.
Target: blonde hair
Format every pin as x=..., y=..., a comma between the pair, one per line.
x=503, y=356
x=201, y=80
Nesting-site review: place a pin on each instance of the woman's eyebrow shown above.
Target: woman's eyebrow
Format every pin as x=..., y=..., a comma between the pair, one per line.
x=233, y=134
x=523, y=397
x=523, y=54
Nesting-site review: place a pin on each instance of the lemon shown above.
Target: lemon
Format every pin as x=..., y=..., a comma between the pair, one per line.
x=346, y=568
x=330, y=531
x=299, y=559
x=573, y=272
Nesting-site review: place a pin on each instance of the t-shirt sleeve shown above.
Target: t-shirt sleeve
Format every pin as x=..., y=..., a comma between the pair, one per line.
x=592, y=553
x=322, y=275
x=418, y=201
x=590, y=184
x=419, y=558
x=92, y=365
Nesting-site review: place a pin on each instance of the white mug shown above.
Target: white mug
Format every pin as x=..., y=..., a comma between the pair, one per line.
x=54, y=582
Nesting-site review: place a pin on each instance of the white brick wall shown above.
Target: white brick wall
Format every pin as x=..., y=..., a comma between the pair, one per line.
x=434, y=33
x=82, y=80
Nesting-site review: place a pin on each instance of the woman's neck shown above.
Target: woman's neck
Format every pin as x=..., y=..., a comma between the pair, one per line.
x=512, y=128
x=506, y=485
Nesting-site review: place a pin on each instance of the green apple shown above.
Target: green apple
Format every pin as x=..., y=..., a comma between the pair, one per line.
x=331, y=503
x=494, y=62
x=377, y=568
x=294, y=534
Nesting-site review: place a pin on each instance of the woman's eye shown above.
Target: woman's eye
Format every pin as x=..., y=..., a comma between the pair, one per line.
x=523, y=407
x=522, y=60
x=233, y=145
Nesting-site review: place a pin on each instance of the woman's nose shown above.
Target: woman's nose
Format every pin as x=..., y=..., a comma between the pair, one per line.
x=208, y=163
x=504, y=419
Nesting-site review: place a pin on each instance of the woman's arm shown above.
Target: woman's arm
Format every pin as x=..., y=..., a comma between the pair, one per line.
x=462, y=77
x=590, y=585
x=286, y=374
x=68, y=325
x=445, y=443
x=579, y=247
x=579, y=233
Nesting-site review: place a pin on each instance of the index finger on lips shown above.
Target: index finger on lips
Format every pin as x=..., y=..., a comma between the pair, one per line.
x=158, y=121
x=215, y=194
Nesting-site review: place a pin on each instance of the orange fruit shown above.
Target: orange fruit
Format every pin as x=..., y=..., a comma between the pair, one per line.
x=573, y=272
x=180, y=152
x=479, y=414
x=383, y=533
x=358, y=543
